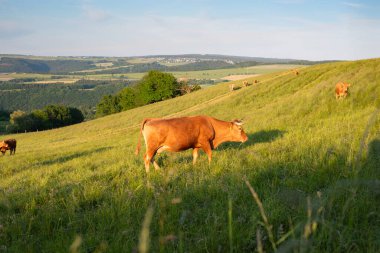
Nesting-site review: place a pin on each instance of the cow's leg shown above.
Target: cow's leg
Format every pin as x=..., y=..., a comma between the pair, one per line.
x=208, y=150
x=195, y=155
x=155, y=164
x=147, y=162
x=159, y=151
x=148, y=158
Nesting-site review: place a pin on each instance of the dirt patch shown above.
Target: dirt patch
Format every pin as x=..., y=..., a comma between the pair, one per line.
x=275, y=66
x=5, y=78
x=237, y=77
x=56, y=81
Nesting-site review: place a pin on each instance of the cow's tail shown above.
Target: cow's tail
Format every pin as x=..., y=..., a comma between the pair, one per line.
x=138, y=147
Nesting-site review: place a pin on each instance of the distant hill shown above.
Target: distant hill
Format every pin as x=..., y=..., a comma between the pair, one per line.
x=188, y=62
x=22, y=65
x=237, y=59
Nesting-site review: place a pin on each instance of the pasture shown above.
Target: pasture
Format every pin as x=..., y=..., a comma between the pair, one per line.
x=312, y=160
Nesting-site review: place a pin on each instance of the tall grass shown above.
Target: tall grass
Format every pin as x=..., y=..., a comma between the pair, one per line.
x=312, y=160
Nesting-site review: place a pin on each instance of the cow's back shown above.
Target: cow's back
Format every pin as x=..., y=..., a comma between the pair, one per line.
x=339, y=89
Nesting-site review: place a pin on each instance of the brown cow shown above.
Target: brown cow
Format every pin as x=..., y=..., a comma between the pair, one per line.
x=245, y=83
x=9, y=144
x=295, y=72
x=341, y=89
x=177, y=134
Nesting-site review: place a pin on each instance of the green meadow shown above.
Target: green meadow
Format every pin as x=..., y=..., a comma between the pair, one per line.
x=307, y=180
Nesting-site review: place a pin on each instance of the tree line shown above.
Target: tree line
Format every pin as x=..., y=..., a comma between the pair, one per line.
x=83, y=94
x=51, y=116
x=154, y=86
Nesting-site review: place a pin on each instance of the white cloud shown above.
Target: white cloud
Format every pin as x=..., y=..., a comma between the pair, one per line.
x=353, y=5
x=95, y=14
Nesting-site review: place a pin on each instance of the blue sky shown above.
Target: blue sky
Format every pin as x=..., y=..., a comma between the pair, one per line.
x=298, y=29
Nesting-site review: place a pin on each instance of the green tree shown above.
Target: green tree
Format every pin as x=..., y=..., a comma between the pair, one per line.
x=129, y=98
x=21, y=121
x=76, y=116
x=108, y=105
x=57, y=115
x=153, y=87
x=16, y=114
x=157, y=86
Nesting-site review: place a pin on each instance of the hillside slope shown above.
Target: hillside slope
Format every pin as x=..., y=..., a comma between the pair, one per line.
x=314, y=162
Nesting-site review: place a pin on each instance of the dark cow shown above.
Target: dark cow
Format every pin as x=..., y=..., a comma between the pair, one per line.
x=341, y=89
x=9, y=144
x=177, y=134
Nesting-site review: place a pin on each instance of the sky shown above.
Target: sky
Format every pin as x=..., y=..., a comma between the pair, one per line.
x=296, y=29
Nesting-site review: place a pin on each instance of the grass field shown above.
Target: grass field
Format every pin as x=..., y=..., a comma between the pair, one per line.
x=312, y=160
x=220, y=73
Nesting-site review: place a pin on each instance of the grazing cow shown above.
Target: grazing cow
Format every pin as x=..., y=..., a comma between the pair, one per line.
x=9, y=144
x=177, y=134
x=245, y=83
x=295, y=72
x=341, y=89
x=256, y=81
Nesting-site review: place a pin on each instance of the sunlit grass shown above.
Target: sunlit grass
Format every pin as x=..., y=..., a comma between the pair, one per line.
x=84, y=181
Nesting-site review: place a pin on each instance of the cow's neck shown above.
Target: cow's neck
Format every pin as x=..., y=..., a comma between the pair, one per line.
x=223, y=132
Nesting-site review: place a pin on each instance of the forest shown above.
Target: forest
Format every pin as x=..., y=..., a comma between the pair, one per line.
x=83, y=94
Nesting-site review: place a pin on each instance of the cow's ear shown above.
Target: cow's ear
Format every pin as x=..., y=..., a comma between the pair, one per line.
x=238, y=122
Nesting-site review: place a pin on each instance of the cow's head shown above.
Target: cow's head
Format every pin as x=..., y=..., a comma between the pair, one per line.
x=237, y=132
x=345, y=87
x=3, y=147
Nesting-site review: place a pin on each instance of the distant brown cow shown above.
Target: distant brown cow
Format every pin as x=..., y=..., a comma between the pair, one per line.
x=245, y=83
x=295, y=72
x=178, y=134
x=9, y=144
x=341, y=89
x=256, y=81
